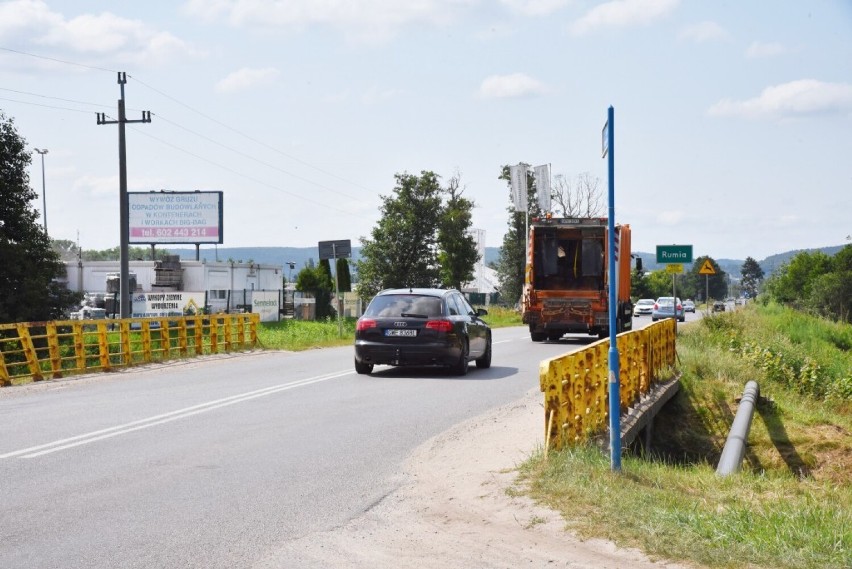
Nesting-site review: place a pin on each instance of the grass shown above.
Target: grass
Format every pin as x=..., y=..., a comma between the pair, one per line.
x=297, y=335
x=790, y=507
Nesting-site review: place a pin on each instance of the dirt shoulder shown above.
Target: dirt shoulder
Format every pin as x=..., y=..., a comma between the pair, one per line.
x=453, y=511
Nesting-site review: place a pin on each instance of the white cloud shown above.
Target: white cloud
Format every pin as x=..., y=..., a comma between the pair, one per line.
x=534, y=7
x=363, y=21
x=25, y=18
x=105, y=34
x=246, y=78
x=759, y=49
x=516, y=85
x=703, y=32
x=623, y=14
x=796, y=98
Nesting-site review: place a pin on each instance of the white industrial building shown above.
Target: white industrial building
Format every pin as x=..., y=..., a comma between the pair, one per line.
x=219, y=286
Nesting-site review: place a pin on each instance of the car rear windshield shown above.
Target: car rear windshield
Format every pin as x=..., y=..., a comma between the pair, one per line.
x=396, y=306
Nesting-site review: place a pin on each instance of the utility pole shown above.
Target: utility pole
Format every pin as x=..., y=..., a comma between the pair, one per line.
x=124, y=202
x=43, y=151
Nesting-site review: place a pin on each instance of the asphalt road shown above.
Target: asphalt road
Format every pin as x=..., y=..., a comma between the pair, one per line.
x=212, y=463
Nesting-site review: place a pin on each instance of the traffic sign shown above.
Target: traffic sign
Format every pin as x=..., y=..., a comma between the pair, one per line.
x=674, y=268
x=674, y=253
x=335, y=249
x=707, y=268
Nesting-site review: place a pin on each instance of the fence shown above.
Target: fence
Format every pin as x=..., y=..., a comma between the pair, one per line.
x=576, y=385
x=35, y=350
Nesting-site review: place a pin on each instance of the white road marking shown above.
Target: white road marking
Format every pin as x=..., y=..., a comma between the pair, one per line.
x=101, y=434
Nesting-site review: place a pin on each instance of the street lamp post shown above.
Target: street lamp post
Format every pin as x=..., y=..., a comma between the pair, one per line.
x=43, y=193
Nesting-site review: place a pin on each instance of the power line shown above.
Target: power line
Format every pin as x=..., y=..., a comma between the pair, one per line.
x=258, y=160
x=46, y=58
x=232, y=171
x=251, y=138
x=53, y=98
x=44, y=106
x=102, y=116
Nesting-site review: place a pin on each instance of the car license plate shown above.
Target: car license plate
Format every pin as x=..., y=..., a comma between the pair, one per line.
x=400, y=332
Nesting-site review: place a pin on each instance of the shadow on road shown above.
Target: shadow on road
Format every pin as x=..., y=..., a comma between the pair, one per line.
x=425, y=372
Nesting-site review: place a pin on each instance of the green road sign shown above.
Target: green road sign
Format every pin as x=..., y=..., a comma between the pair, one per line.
x=674, y=253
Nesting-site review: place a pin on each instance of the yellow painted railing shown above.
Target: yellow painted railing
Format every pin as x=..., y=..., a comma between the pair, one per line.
x=576, y=385
x=33, y=351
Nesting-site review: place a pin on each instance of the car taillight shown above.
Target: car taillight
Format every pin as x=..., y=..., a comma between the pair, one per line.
x=680, y=307
x=656, y=306
x=365, y=323
x=440, y=325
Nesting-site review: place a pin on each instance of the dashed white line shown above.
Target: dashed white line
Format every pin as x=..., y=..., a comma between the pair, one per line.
x=70, y=442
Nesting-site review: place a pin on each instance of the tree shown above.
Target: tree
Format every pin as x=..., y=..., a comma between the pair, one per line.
x=696, y=284
x=29, y=291
x=582, y=199
x=659, y=284
x=752, y=276
x=512, y=261
x=791, y=284
x=640, y=287
x=344, y=279
x=317, y=281
x=817, y=283
x=457, y=250
x=402, y=251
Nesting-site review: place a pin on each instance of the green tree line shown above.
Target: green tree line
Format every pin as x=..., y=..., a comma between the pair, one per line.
x=815, y=283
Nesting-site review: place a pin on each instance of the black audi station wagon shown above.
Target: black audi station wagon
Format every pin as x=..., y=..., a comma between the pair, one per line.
x=422, y=327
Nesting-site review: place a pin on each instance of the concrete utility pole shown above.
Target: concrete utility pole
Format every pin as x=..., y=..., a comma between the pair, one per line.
x=43, y=151
x=124, y=202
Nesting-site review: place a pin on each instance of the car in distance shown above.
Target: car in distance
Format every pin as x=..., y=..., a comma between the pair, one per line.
x=422, y=327
x=643, y=306
x=718, y=306
x=668, y=307
x=688, y=306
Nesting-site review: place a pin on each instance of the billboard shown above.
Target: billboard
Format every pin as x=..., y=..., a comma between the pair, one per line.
x=519, y=186
x=161, y=304
x=175, y=217
x=542, y=187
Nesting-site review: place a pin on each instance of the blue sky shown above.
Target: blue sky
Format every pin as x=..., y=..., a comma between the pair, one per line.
x=733, y=120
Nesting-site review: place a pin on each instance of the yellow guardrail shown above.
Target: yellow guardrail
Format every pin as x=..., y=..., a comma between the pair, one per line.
x=32, y=351
x=576, y=385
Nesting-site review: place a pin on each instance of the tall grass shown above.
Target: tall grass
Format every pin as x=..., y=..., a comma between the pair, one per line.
x=789, y=507
x=296, y=335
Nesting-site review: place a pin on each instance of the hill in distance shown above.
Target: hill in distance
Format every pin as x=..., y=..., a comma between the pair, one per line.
x=301, y=256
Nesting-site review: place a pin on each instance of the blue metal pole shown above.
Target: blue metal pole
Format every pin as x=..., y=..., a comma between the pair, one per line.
x=614, y=396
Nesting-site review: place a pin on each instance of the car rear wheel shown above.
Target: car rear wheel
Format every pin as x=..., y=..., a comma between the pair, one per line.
x=460, y=367
x=484, y=361
x=362, y=368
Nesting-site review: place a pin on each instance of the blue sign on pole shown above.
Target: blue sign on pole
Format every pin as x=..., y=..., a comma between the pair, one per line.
x=614, y=395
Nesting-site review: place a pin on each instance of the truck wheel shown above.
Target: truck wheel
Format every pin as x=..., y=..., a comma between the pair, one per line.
x=538, y=336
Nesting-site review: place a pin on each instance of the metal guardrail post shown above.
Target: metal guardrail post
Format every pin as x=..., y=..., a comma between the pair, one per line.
x=734, y=450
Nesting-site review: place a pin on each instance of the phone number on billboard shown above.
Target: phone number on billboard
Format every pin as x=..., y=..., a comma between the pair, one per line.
x=178, y=232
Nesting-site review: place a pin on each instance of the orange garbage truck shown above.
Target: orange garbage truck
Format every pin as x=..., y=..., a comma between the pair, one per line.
x=566, y=284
